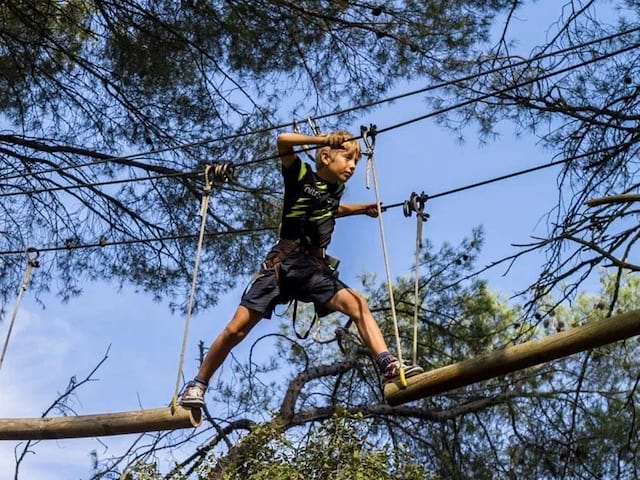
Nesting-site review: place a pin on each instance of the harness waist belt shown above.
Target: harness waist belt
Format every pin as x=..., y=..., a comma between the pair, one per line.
x=290, y=246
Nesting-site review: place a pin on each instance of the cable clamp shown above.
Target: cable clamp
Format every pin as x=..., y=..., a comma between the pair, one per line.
x=33, y=255
x=416, y=203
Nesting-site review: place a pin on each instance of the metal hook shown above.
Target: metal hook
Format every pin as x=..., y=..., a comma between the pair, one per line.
x=369, y=137
x=313, y=126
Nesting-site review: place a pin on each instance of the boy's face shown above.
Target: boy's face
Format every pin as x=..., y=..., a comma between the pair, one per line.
x=340, y=164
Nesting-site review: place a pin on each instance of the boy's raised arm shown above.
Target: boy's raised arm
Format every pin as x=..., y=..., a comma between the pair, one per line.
x=286, y=142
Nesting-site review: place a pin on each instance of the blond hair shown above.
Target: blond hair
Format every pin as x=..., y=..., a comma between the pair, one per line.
x=349, y=145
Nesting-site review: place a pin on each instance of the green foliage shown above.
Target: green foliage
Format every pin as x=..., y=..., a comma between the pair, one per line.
x=85, y=79
x=572, y=418
x=336, y=450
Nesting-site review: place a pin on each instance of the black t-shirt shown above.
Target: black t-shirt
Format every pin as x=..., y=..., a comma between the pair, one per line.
x=310, y=206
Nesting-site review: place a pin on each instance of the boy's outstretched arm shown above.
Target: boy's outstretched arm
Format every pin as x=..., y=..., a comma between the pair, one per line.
x=346, y=209
x=286, y=142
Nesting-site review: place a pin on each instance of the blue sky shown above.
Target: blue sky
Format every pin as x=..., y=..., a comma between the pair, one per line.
x=62, y=340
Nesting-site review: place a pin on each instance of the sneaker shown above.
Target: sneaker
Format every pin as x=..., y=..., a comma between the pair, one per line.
x=392, y=372
x=193, y=395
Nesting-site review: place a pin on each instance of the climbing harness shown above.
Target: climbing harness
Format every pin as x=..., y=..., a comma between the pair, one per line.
x=32, y=262
x=213, y=173
x=416, y=204
x=283, y=249
x=369, y=138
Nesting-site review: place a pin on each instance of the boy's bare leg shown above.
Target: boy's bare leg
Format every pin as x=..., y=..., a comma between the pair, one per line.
x=353, y=305
x=240, y=325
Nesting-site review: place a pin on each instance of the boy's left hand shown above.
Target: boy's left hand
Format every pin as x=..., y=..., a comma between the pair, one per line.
x=372, y=210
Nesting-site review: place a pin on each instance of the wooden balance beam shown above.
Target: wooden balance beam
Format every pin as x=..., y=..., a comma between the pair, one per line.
x=138, y=421
x=624, y=198
x=518, y=357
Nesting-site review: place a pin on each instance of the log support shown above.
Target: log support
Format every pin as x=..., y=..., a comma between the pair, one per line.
x=138, y=421
x=518, y=357
x=613, y=199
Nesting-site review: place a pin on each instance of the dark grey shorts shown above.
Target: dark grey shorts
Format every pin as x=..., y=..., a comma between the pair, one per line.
x=302, y=277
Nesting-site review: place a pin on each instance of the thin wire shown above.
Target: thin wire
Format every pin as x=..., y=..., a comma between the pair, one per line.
x=336, y=113
x=385, y=207
x=383, y=130
x=100, y=184
x=467, y=102
x=508, y=89
x=516, y=174
x=416, y=283
x=101, y=244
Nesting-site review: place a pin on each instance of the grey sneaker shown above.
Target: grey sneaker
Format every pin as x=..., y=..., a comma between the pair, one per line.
x=392, y=372
x=193, y=395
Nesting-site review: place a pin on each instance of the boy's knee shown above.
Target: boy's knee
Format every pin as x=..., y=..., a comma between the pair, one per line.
x=234, y=334
x=357, y=304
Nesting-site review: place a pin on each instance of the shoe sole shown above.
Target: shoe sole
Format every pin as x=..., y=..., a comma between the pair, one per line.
x=192, y=404
x=409, y=372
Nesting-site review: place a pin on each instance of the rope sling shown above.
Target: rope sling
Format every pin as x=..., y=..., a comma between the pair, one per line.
x=369, y=138
x=416, y=203
x=32, y=262
x=213, y=172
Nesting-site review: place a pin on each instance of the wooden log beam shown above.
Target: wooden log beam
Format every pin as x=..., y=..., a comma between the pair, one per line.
x=624, y=198
x=511, y=359
x=98, y=425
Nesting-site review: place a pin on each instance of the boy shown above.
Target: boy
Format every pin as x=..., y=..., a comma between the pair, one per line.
x=298, y=267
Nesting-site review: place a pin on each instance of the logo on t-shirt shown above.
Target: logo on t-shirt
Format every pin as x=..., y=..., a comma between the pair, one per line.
x=309, y=190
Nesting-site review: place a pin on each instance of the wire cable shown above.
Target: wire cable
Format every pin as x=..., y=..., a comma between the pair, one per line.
x=471, y=101
x=99, y=184
x=510, y=88
x=338, y=112
x=515, y=174
x=104, y=243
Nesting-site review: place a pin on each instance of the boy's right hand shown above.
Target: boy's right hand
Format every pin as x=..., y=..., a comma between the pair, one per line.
x=336, y=140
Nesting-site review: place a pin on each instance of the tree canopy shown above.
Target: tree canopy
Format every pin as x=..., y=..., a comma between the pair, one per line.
x=92, y=81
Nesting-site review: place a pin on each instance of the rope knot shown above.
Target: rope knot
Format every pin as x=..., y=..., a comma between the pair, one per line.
x=218, y=173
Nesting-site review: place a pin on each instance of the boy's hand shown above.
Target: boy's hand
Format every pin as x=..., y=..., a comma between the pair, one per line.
x=335, y=140
x=372, y=210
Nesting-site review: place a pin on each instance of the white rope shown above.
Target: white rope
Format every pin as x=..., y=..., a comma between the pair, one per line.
x=372, y=170
x=204, y=209
x=416, y=286
x=32, y=262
